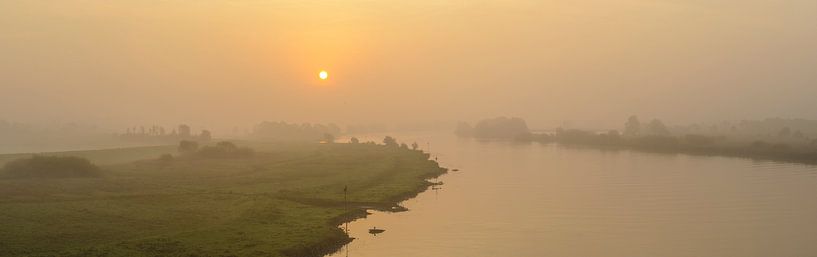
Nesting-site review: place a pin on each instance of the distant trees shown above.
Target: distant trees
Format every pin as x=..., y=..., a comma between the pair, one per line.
x=632, y=127
x=777, y=127
x=390, y=141
x=205, y=135
x=184, y=130
x=657, y=128
x=39, y=166
x=354, y=140
x=158, y=134
x=500, y=127
x=224, y=149
x=187, y=146
x=166, y=158
x=763, y=139
x=294, y=132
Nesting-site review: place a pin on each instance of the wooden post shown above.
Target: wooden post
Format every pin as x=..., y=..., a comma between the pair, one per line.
x=346, y=206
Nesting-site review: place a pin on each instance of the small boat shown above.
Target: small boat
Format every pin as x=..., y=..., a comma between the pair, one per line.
x=455, y=170
x=375, y=231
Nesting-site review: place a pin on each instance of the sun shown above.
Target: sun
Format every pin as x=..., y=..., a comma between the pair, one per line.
x=323, y=75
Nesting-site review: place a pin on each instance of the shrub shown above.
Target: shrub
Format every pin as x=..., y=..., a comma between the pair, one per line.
x=224, y=149
x=166, y=158
x=390, y=142
x=186, y=146
x=51, y=167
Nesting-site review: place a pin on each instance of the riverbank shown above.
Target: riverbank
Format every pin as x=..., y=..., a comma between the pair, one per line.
x=510, y=197
x=286, y=200
x=804, y=153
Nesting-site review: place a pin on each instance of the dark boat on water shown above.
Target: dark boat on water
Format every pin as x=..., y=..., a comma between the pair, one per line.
x=375, y=231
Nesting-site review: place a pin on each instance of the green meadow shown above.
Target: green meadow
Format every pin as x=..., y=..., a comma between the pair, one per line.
x=285, y=200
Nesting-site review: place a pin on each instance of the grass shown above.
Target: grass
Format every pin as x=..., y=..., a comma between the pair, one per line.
x=285, y=200
x=101, y=157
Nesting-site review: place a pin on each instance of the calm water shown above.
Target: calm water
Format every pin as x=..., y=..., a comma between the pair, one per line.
x=545, y=200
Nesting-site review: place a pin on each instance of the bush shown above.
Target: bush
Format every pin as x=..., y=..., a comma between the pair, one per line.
x=51, y=167
x=166, y=158
x=186, y=146
x=224, y=149
x=390, y=142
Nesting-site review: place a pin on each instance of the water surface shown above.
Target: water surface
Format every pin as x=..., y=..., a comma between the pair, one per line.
x=512, y=199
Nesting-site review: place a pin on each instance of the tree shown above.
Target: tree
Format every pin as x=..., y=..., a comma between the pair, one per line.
x=287, y=131
x=404, y=146
x=414, y=146
x=656, y=127
x=187, y=146
x=39, y=166
x=165, y=158
x=224, y=149
x=390, y=141
x=612, y=137
x=184, y=131
x=632, y=127
x=354, y=140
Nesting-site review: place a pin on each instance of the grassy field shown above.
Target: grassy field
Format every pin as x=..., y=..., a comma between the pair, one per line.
x=286, y=200
x=106, y=156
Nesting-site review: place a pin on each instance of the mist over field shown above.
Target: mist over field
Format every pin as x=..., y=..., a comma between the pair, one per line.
x=226, y=66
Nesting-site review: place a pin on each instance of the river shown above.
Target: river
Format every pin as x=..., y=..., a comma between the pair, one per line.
x=514, y=199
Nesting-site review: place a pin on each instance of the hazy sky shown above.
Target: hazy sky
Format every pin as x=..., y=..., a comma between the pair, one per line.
x=219, y=63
